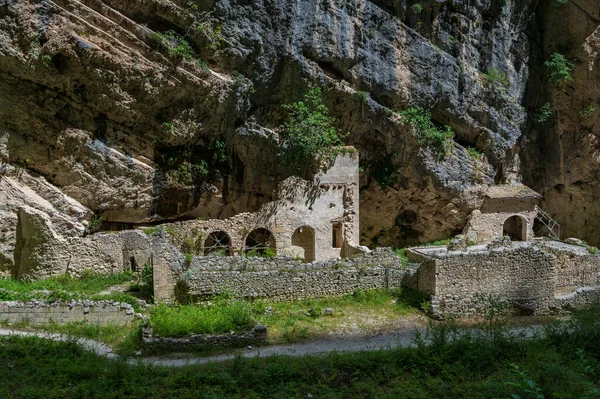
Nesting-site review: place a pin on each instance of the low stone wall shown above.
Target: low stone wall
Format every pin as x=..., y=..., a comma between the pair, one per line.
x=283, y=278
x=42, y=312
x=255, y=337
x=578, y=298
x=575, y=266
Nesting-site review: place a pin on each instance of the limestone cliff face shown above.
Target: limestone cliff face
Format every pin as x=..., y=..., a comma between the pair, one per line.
x=561, y=157
x=103, y=103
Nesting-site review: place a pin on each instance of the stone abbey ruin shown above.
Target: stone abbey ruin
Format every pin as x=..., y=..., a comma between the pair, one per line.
x=305, y=243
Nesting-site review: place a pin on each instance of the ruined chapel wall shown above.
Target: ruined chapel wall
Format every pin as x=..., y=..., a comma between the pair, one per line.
x=485, y=227
x=282, y=278
x=522, y=277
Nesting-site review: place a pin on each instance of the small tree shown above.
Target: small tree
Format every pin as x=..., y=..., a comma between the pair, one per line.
x=559, y=68
x=308, y=133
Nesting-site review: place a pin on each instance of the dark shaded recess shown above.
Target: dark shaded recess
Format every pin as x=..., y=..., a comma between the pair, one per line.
x=170, y=200
x=61, y=63
x=465, y=143
x=406, y=218
x=100, y=128
x=560, y=188
x=70, y=116
x=392, y=7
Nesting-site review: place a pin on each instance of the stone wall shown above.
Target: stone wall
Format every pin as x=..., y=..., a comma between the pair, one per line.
x=41, y=312
x=256, y=336
x=521, y=277
x=41, y=252
x=575, y=267
x=282, y=278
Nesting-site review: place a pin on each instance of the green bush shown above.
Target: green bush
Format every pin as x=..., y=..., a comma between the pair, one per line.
x=308, y=133
x=559, y=68
x=544, y=113
x=474, y=152
x=417, y=8
x=496, y=77
x=438, y=140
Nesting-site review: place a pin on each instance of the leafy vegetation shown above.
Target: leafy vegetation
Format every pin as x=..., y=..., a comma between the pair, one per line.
x=559, y=68
x=474, y=152
x=456, y=363
x=417, y=8
x=308, y=134
x=178, y=46
x=363, y=96
x=385, y=173
x=438, y=140
x=496, y=77
x=589, y=111
x=87, y=286
x=221, y=315
x=544, y=113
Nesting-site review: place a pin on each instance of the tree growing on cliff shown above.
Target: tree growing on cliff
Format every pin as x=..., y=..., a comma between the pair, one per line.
x=559, y=68
x=308, y=134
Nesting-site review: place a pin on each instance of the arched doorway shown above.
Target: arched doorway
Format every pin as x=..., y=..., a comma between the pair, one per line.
x=304, y=237
x=516, y=228
x=260, y=242
x=218, y=242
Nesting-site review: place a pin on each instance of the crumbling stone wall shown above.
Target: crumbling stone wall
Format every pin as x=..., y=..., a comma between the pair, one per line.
x=41, y=252
x=575, y=267
x=331, y=198
x=281, y=278
x=41, y=312
x=255, y=336
x=465, y=282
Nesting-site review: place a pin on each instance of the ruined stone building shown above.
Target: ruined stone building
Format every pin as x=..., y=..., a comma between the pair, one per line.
x=313, y=220
x=507, y=210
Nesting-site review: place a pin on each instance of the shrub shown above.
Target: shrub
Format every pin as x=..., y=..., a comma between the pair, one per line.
x=589, y=111
x=308, y=133
x=474, y=152
x=496, y=77
x=559, y=68
x=363, y=96
x=544, y=113
x=438, y=140
x=417, y=8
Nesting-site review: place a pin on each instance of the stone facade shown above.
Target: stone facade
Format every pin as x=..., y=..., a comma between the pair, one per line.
x=41, y=252
x=526, y=277
x=312, y=220
x=42, y=313
x=278, y=278
x=506, y=210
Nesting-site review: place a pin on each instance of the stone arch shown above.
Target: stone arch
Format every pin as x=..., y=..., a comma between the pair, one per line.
x=260, y=240
x=304, y=237
x=516, y=228
x=217, y=241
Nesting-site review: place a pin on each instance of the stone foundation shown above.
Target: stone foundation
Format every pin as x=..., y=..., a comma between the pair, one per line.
x=255, y=337
x=42, y=313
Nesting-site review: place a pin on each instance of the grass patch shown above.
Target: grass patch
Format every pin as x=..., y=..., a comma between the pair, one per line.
x=455, y=365
x=221, y=316
x=89, y=286
x=297, y=320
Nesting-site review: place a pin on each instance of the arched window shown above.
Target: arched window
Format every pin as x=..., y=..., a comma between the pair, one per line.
x=218, y=242
x=516, y=228
x=260, y=242
x=304, y=237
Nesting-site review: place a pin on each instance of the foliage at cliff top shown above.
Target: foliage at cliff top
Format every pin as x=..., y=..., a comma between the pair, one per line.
x=308, y=133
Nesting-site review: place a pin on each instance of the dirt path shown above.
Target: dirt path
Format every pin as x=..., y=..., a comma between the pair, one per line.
x=321, y=346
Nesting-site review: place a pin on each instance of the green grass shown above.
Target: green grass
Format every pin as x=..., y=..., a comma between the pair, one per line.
x=221, y=316
x=490, y=364
x=303, y=319
x=88, y=286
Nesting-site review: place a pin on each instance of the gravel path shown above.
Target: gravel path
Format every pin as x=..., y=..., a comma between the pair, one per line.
x=345, y=344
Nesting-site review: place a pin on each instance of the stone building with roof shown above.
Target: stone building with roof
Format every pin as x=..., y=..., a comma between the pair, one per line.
x=507, y=210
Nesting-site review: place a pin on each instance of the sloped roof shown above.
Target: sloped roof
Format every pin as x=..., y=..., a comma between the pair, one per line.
x=508, y=191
